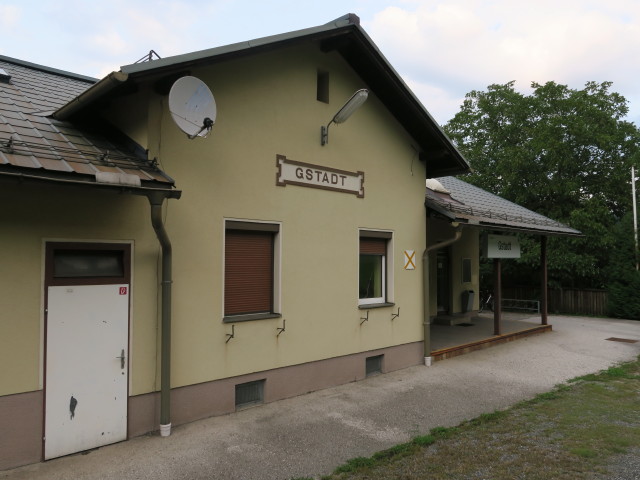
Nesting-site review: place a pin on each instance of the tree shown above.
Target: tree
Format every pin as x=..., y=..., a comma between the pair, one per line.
x=560, y=152
x=623, y=278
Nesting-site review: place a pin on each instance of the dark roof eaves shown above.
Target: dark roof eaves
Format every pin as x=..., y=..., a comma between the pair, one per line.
x=569, y=232
x=346, y=25
x=203, y=55
x=148, y=188
x=43, y=68
x=463, y=164
x=528, y=228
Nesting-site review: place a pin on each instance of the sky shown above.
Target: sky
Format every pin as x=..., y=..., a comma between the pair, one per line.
x=442, y=49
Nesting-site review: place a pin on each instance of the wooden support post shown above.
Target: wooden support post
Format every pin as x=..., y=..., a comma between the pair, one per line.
x=544, y=279
x=497, y=296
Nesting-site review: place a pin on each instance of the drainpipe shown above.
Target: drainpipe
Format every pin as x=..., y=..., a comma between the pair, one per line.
x=156, y=200
x=426, y=324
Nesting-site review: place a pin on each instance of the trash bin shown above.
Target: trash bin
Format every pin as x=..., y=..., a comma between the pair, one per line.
x=467, y=300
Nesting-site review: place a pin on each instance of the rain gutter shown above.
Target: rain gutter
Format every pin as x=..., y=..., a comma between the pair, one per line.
x=108, y=83
x=129, y=189
x=426, y=324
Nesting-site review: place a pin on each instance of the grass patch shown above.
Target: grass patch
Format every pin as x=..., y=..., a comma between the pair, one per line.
x=567, y=433
x=584, y=452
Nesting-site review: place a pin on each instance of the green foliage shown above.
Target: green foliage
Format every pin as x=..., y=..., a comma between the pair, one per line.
x=486, y=418
x=564, y=153
x=441, y=432
x=355, y=464
x=623, y=278
x=584, y=452
x=424, y=440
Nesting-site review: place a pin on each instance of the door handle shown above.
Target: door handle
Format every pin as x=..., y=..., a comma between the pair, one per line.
x=122, y=357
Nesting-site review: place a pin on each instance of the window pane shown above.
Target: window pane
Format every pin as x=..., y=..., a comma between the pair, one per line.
x=78, y=264
x=371, y=276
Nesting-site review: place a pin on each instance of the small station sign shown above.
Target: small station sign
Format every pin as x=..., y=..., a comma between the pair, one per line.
x=501, y=246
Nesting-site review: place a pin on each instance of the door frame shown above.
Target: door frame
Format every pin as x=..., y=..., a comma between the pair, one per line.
x=49, y=248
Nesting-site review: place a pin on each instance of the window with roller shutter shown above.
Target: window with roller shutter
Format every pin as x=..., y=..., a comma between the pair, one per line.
x=373, y=271
x=249, y=268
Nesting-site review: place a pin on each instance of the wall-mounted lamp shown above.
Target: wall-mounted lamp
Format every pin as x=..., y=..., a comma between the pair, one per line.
x=355, y=102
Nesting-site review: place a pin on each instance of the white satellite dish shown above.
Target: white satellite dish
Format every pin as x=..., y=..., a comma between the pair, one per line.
x=192, y=106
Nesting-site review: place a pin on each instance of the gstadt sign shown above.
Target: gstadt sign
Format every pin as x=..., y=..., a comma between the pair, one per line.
x=501, y=246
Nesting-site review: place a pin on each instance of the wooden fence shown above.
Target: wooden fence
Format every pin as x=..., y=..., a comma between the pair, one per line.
x=565, y=300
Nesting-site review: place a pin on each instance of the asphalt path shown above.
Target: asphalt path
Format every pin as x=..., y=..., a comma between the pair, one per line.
x=312, y=434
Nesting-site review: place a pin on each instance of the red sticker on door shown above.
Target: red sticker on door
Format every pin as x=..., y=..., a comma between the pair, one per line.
x=123, y=290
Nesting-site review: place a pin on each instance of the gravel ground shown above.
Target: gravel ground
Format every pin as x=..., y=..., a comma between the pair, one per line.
x=312, y=434
x=622, y=467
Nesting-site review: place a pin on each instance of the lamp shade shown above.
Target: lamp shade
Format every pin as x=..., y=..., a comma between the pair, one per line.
x=355, y=102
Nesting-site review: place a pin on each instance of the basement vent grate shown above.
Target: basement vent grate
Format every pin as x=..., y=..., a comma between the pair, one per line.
x=624, y=340
x=374, y=365
x=250, y=393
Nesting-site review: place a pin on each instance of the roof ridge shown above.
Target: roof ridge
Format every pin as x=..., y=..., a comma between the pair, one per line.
x=43, y=68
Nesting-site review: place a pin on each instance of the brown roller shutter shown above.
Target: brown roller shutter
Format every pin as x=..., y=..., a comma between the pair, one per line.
x=373, y=246
x=248, y=274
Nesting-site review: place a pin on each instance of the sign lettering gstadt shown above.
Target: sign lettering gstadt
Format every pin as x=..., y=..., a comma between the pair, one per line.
x=501, y=246
x=291, y=172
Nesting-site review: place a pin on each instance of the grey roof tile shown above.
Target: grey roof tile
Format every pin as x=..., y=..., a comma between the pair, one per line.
x=30, y=141
x=475, y=206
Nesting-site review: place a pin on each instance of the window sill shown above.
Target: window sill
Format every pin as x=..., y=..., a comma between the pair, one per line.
x=249, y=317
x=367, y=306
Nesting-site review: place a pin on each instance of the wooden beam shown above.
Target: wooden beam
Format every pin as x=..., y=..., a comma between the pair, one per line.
x=544, y=279
x=497, y=296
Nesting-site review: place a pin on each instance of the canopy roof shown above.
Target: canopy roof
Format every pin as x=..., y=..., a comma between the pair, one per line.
x=462, y=202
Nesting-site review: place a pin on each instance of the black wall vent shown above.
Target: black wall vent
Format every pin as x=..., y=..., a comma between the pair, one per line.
x=250, y=393
x=374, y=365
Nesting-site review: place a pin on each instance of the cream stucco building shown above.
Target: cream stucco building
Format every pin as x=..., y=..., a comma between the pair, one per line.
x=188, y=277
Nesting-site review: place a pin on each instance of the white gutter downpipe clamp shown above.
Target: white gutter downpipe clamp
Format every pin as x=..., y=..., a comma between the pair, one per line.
x=165, y=430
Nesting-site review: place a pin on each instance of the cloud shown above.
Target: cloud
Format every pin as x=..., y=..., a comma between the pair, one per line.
x=122, y=31
x=441, y=103
x=110, y=42
x=9, y=16
x=469, y=44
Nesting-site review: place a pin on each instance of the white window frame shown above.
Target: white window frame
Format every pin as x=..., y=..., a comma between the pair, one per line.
x=387, y=267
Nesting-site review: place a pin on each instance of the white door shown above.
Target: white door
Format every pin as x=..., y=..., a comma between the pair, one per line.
x=86, y=369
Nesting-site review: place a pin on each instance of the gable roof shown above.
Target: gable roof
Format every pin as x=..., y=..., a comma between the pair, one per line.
x=34, y=146
x=465, y=203
x=344, y=35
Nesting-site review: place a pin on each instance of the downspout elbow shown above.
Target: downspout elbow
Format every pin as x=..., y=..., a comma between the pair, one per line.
x=426, y=323
x=445, y=243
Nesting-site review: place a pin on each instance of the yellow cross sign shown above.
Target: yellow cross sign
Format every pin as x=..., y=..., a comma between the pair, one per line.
x=409, y=259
